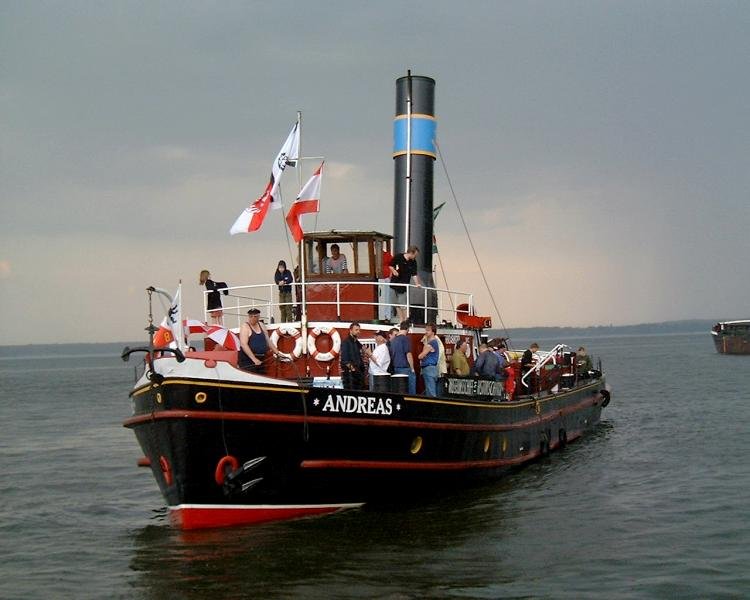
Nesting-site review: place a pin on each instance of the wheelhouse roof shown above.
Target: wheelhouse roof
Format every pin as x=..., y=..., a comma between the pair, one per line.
x=334, y=235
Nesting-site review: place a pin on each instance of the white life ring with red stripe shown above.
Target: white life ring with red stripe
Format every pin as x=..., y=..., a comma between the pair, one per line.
x=312, y=346
x=292, y=333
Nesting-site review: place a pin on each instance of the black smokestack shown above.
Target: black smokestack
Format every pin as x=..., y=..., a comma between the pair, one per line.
x=413, y=183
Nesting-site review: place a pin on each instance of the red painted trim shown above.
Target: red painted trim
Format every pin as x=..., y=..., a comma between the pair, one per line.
x=419, y=466
x=205, y=517
x=278, y=418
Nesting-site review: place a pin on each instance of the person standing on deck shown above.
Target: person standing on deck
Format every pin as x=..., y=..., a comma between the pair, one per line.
x=392, y=333
x=442, y=361
x=283, y=278
x=527, y=364
x=380, y=359
x=403, y=268
x=459, y=362
x=428, y=360
x=213, y=298
x=402, y=358
x=352, y=365
x=254, y=343
x=487, y=363
x=583, y=361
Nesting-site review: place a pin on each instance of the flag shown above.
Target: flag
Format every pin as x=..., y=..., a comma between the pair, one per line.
x=252, y=217
x=174, y=315
x=308, y=201
x=170, y=329
x=288, y=155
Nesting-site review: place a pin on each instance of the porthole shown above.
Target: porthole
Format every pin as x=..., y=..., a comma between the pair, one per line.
x=416, y=445
x=487, y=444
x=200, y=397
x=505, y=444
x=158, y=397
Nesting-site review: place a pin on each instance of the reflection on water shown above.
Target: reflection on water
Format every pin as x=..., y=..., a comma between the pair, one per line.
x=312, y=555
x=368, y=552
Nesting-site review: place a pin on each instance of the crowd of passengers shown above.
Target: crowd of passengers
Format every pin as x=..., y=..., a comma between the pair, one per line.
x=392, y=355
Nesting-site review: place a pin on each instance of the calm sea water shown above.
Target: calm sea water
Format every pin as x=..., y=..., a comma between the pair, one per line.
x=652, y=505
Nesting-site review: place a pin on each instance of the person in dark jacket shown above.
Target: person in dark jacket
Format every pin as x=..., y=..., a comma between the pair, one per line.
x=352, y=360
x=487, y=363
x=283, y=278
x=213, y=298
x=402, y=268
x=527, y=364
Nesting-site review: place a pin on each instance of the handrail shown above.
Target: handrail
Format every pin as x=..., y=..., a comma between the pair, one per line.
x=262, y=296
x=537, y=367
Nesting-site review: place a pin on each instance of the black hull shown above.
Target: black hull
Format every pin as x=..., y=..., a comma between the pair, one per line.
x=322, y=449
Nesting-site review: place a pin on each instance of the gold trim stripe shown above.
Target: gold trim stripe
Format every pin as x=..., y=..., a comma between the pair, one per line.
x=415, y=116
x=422, y=152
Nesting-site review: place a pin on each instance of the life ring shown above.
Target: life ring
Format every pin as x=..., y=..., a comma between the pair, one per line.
x=312, y=347
x=293, y=333
x=221, y=468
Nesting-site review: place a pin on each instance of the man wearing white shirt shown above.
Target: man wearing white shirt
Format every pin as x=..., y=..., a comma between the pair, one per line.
x=380, y=359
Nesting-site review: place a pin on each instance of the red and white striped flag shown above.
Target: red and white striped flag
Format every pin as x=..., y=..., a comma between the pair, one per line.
x=308, y=201
x=252, y=217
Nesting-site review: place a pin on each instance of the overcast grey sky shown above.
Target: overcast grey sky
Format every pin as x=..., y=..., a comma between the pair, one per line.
x=600, y=150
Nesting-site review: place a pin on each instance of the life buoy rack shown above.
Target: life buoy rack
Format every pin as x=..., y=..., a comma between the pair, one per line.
x=312, y=346
x=288, y=332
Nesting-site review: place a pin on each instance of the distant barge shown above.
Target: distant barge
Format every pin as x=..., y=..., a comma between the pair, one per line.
x=732, y=337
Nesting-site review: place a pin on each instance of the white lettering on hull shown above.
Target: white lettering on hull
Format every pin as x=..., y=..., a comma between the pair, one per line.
x=361, y=405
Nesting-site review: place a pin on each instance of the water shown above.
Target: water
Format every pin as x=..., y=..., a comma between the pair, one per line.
x=652, y=505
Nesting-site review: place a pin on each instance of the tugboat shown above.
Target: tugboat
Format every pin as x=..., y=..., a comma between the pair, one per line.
x=732, y=337
x=229, y=447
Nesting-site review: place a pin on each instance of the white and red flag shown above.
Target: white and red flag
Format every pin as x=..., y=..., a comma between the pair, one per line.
x=308, y=201
x=170, y=331
x=252, y=217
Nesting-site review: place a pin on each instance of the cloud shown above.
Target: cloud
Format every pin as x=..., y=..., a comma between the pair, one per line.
x=600, y=157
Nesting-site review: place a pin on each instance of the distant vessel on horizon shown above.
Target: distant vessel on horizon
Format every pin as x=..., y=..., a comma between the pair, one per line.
x=732, y=337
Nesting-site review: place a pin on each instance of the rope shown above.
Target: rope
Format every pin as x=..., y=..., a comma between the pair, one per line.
x=445, y=278
x=471, y=243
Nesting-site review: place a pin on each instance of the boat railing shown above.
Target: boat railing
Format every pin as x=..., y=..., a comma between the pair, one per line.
x=431, y=303
x=549, y=358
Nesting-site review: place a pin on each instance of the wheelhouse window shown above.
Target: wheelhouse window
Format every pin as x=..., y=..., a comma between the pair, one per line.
x=326, y=253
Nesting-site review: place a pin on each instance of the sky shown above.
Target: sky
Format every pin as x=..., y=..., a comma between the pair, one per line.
x=599, y=151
